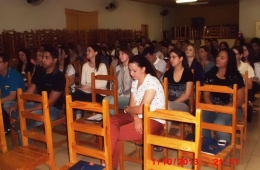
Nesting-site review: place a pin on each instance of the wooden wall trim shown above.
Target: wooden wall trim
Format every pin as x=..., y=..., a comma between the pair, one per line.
x=82, y=13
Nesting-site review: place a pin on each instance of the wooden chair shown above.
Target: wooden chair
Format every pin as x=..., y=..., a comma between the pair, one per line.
x=229, y=151
x=3, y=146
x=139, y=150
x=150, y=139
x=77, y=66
x=242, y=123
x=29, y=156
x=110, y=92
x=88, y=127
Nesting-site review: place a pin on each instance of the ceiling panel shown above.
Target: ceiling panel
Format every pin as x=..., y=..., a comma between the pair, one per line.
x=172, y=3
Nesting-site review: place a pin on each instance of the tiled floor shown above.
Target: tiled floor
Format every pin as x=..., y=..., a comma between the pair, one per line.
x=251, y=159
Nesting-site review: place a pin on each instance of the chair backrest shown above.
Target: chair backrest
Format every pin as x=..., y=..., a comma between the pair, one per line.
x=67, y=88
x=77, y=66
x=29, y=79
x=44, y=117
x=111, y=70
x=150, y=139
x=192, y=97
x=3, y=146
x=80, y=126
x=109, y=92
x=232, y=110
x=165, y=89
x=245, y=106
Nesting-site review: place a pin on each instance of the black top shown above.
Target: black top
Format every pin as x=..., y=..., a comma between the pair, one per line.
x=198, y=71
x=54, y=81
x=176, y=89
x=223, y=98
x=29, y=68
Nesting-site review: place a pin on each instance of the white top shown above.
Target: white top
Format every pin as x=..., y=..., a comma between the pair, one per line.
x=257, y=69
x=71, y=71
x=160, y=65
x=150, y=82
x=160, y=55
x=135, y=51
x=246, y=67
x=86, y=75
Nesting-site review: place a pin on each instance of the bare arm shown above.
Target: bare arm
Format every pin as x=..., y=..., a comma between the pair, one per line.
x=187, y=94
x=250, y=83
x=207, y=97
x=71, y=79
x=10, y=97
x=240, y=97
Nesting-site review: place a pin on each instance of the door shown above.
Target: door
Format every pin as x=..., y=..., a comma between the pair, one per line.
x=72, y=22
x=144, y=29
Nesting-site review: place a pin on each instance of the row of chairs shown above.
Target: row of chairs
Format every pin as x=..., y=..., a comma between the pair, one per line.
x=220, y=31
x=11, y=41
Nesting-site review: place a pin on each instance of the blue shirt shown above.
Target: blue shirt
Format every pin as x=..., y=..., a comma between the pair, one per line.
x=11, y=82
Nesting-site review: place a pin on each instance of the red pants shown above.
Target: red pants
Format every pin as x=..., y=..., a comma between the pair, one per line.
x=123, y=129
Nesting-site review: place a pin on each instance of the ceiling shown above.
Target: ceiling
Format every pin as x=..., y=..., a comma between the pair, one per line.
x=172, y=3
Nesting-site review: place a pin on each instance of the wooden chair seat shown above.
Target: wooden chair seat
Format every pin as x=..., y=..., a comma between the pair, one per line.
x=32, y=157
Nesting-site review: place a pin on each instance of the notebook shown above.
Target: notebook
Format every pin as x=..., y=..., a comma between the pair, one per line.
x=96, y=117
x=83, y=165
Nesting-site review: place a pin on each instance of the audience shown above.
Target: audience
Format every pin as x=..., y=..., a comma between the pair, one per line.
x=204, y=60
x=223, y=45
x=25, y=65
x=146, y=89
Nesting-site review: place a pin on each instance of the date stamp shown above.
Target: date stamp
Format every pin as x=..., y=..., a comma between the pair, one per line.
x=231, y=161
x=175, y=161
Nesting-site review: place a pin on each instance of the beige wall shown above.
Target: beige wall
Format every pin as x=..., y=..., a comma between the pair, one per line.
x=214, y=15
x=249, y=13
x=18, y=15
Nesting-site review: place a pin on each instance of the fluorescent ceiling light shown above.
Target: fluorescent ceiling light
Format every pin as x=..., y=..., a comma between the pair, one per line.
x=184, y=1
x=199, y=3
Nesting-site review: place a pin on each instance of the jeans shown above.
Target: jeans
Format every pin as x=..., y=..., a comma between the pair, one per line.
x=54, y=114
x=123, y=101
x=220, y=119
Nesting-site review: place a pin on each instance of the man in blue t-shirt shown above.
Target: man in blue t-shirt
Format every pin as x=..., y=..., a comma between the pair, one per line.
x=10, y=80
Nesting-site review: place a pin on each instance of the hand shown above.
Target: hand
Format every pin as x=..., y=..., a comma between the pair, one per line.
x=125, y=110
x=12, y=108
x=138, y=124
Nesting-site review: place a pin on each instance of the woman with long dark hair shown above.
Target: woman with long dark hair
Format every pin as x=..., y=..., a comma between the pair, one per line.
x=65, y=67
x=205, y=61
x=25, y=64
x=225, y=73
x=95, y=65
x=146, y=89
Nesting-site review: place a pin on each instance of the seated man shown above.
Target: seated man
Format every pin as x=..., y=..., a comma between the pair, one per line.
x=159, y=64
x=10, y=80
x=50, y=80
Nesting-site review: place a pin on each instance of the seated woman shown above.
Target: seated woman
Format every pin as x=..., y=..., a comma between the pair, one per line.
x=180, y=82
x=124, y=79
x=204, y=60
x=146, y=89
x=74, y=56
x=25, y=64
x=66, y=68
x=225, y=73
x=38, y=66
x=93, y=65
x=194, y=64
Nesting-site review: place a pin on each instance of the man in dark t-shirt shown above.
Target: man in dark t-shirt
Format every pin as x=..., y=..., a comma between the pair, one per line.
x=50, y=80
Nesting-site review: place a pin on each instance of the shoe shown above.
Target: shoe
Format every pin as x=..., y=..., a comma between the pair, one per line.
x=78, y=116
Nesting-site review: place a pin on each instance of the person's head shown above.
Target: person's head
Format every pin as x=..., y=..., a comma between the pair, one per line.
x=238, y=42
x=223, y=45
x=155, y=43
x=238, y=50
x=125, y=53
x=140, y=48
x=177, y=57
x=197, y=42
x=139, y=67
x=65, y=57
x=178, y=44
x=207, y=42
x=203, y=52
x=24, y=56
x=39, y=57
x=184, y=44
x=129, y=45
x=94, y=53
x=117, y=43
x=4, y=59
x=72, y=49
x=190, y=51
x=149, y=54
x=79, y=48
x=50, y=57
x=248, y=53
x=226, y=59
x=256, y=44
x=164, y=48
x=214, y=42
x=144, y=40
x=170, y=47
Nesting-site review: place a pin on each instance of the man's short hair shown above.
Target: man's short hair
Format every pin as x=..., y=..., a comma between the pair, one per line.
x=148, y=50
x=4, y=57
x=53, y=51
x=255, y=41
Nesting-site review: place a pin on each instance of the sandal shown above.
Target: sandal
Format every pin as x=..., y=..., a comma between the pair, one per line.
x=158, y=148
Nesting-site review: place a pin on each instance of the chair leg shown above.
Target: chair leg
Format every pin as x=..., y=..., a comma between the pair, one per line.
x=241, y=145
